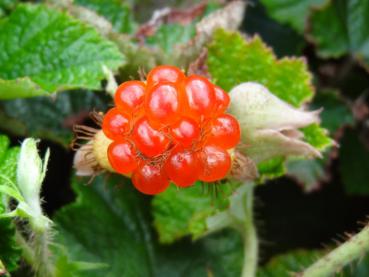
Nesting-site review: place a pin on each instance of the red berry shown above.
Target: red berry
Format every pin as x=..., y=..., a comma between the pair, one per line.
x=115, y=124
x=150, y=179
x=183, y=167
x=225, y=132
x=149, y=141
x=216, y=163
x=221, y=100
x=130, y=96
x=163, y=104
x=185, y=131
x=200, y=96
x=165, y=73
x=122, y=156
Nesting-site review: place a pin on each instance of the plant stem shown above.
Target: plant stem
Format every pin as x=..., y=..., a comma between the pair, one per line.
x=344, y=254
x=249, y=234
x=36, y=253
x=27, y=251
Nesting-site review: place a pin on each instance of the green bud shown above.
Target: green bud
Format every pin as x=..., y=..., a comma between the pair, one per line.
x=269, y=126
x=30, y=175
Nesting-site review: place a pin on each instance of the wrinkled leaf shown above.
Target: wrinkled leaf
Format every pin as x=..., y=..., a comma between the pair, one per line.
x=181, y=212
x=342, y=27
x=54, y=50
x=44, y=117
x=122, y=223
x=294, y=13
x=168, y=36
x=233, y=60
x=258, y=22
x=9, y=251
x=117, y=12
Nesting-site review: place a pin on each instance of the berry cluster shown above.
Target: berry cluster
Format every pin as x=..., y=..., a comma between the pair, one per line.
x=170, y=128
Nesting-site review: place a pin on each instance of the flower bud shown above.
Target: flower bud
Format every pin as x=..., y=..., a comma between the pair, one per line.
x=269, y=126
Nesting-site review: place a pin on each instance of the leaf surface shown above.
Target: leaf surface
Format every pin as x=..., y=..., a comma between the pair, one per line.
x=43, y=51
x=48, y=118
x=342, y=27
x=292, y=12
x=118, y=217
x=9, y=251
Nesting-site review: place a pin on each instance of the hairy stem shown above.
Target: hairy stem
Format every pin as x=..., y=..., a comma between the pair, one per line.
x=344, y=254
x=27, y=251
x=249, y=234
x=36, y=253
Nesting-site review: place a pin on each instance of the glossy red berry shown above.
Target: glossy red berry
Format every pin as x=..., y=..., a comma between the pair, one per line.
x=170, y=128
x=116, y=124
x=222, y=100
x=148, y=140
x=183, y=167
x=185, y=132
x=130, y=96
x=225, y=132
x=150, y=179
x=216, y=163
x=200, y=96
x=122, y=156
x=165, y=73
x=162, y=104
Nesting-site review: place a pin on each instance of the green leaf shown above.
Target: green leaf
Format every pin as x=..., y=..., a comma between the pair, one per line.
x=9, y=251
x=292, y=262
x=21, y=87
x=120, y=220
x=55, y=51
x=233, y=60
x=294, y=13
x=53, y=119
x=295, y=261
x=335, y=115
x=317, y=137
x=6, y=6
x=168, y=36
x=342, y=27
x=354, y=164
x=272, y=168
x=117, y=12
x=308, y=173
x=181, y=212
x=258, y=22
